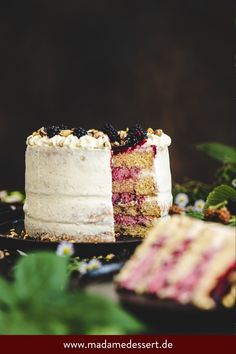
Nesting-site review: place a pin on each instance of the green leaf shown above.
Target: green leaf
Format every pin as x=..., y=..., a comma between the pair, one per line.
x=232, y=221
x=39, y=274
x=195, y=214
x=220, y=194
x=218, y=151
x=98, y=314
x=7, y=297
x=17, y=322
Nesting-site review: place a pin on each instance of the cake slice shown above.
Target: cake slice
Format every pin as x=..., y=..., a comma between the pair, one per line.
x=185, y=260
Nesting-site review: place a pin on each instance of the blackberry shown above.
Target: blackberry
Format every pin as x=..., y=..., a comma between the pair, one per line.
x=135, y=135
x=63, y=127
x=138, y=132
x=111, y=132
x=131, y=140
x=53, y=130
x=79, y=132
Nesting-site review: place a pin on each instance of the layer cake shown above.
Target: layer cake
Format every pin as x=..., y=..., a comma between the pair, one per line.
x=87, y=186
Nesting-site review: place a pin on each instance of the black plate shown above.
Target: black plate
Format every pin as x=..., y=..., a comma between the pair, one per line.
x=172, y=318
x=9, y=212
x=124, y=246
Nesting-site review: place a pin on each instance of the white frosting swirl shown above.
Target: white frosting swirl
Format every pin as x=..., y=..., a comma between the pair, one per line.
x=72, y=141
x=160, y=141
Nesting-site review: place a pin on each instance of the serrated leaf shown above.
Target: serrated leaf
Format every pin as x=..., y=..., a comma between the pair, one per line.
x=40, y=274
x=218, y=151
x=219, y=195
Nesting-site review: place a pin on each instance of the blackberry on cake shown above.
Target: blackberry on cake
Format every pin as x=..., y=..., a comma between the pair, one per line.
x=53, y=130
x=63, y=127
x=111, y=132
x=79, y=132
x=131, y=140
x=138, y=132
x=135, y=135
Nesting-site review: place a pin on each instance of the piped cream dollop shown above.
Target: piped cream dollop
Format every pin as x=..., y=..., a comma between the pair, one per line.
x=160, y=141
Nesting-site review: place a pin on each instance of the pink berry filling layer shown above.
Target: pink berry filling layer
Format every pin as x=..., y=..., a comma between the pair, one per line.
x=122, y=173
x=127, y=220
x=139, y=271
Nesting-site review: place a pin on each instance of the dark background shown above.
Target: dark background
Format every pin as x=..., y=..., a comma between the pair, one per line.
x=167, y=64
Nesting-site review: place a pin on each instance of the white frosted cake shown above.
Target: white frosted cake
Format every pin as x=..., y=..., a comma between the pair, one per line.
x=75, y=181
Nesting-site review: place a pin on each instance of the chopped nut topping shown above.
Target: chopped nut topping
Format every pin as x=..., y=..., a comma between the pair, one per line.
x=116, y=143
x=66, y=132
x=158, y=132
x=98, y=134
x=13, y=233
x=93, y=131
x=41, y=132
x=35, y=133
x=150, y=130
x=122, y=134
